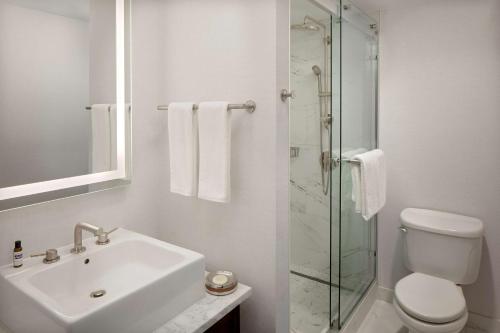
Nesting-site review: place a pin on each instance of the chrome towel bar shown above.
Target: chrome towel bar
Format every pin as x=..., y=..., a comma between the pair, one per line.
x=249, y=106
x=337, y=160
x=90, y=108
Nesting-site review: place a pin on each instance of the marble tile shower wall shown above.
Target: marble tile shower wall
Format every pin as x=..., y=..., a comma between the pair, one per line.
x=310, y=208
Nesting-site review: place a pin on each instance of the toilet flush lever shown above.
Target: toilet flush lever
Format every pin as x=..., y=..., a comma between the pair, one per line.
x=403, y=229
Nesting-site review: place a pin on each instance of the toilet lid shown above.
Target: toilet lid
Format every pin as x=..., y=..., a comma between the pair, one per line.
x=430, y=298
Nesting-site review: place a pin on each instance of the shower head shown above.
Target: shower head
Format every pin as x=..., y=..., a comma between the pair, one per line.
x=305, y=26
x=316, y=70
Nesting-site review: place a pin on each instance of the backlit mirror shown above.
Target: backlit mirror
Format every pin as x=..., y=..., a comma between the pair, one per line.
x=65, y=112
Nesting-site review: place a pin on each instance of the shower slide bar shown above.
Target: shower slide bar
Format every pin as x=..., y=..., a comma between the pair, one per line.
x=249, y=106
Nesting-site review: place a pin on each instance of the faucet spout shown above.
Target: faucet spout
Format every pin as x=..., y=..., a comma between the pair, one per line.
x=96, y=231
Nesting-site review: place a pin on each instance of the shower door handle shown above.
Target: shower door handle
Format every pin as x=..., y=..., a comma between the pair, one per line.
x=285, y=94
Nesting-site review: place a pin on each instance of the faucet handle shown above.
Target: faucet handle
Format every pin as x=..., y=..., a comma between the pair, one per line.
x=51, y=256
x=102, y=238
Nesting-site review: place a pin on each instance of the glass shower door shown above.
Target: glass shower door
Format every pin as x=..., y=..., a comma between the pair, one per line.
x=310, y=178
x=332, y=117
x=356, y=237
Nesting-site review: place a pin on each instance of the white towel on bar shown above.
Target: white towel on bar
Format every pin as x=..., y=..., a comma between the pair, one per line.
x=214, y=120
x=355, y=175
x=183, y=146
x=101, y=137
x=369, y=178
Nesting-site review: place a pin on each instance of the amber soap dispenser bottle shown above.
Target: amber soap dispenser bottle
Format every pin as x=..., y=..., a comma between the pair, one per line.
x=18, y=254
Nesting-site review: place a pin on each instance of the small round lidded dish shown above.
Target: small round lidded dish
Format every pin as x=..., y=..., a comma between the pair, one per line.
x=221, y=283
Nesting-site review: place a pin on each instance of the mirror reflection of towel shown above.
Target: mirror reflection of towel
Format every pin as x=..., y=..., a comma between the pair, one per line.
x=102, y=134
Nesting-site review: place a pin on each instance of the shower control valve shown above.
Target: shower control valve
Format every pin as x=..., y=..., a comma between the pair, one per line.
x=285, y=94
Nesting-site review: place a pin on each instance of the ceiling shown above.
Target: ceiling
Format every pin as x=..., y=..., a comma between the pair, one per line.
x=71, y=8
x=373, y=6
x=301, y=8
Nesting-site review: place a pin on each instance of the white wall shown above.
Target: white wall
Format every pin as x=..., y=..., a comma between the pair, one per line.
x=440, y=127
x=226, y=50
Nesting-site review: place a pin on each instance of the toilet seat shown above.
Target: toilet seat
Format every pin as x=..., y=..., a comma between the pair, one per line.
x=430, y=299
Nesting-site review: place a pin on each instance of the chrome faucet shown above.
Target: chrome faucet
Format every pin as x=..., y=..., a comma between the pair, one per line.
x=97, y=231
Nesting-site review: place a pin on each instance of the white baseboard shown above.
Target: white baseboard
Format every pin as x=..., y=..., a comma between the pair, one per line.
x=481, y=324
x=476, y=324
x=354, y=322
x=385, y=294
x=3, y=328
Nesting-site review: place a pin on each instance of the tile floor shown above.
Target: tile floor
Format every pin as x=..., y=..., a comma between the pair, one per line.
x=309, y=304
x=382, y=318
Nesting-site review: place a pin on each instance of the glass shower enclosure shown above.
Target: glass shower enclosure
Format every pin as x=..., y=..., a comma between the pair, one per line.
x=333, y=60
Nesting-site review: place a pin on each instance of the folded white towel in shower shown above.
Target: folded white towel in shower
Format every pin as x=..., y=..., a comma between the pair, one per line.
x=214, y=121
x=355, y=175
x=102, y=135
x=369, y=179
x=348, y=154
x=183, y=146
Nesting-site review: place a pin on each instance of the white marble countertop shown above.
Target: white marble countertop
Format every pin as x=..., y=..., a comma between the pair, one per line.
x=203, y=314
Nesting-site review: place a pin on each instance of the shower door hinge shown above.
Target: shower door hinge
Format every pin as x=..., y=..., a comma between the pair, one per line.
x=334, y=162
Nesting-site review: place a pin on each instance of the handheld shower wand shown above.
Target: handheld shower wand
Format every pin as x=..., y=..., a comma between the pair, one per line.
x=325, y=155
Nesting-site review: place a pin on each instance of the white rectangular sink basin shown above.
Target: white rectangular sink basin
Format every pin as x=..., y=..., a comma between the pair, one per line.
x=147, y=282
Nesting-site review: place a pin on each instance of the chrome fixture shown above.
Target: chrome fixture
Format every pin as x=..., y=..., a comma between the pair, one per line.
x=317, y=71
x=98, y=293
x=294, y=152
x=103, y=239
x=89, y=108
x=305, y=26
x=249, y=106
x=96, y=231
x=285, y=94
x=336, y=161
x=325, y=121
x=403, y=229
x=51, y=256
x=352, y=161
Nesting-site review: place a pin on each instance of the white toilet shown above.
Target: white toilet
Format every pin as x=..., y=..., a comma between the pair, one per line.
x=444, y=251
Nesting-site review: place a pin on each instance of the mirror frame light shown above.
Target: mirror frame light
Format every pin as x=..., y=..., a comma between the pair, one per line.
x=100, y=177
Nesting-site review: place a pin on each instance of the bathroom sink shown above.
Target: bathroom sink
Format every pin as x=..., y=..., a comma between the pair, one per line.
x=133, y=284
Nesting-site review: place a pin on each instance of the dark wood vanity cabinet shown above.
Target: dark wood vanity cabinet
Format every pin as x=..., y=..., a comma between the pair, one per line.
x=230, y=323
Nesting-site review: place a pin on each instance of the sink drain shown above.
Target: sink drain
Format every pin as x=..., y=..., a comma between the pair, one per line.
x=98, y=293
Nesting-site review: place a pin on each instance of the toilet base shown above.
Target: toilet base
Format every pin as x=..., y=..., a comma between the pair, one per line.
x=410, y=331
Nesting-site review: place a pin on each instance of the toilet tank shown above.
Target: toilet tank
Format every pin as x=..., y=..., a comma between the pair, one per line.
x=442, y=244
